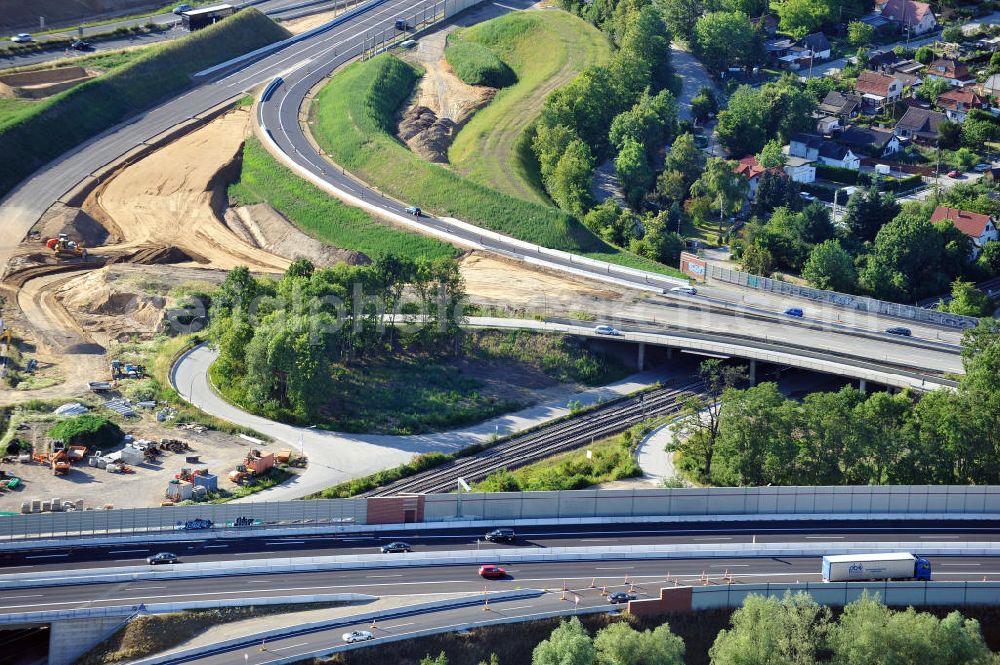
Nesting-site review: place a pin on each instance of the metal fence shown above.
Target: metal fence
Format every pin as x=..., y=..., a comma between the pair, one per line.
x=860, y=303
x=418, y=19
x=909, y=500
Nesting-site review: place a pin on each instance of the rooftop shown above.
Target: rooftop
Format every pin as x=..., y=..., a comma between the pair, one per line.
x=971, y=224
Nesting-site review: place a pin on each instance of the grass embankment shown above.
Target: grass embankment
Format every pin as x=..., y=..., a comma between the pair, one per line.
x=69, y=118
x=546, y=50
x=353, y=121
x=413, y=391
x=148, y=635
x=612, y=458
x=263, y=179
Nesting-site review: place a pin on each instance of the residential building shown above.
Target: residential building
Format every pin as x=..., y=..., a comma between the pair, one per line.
x=980, y=228
x=911, y=67
x=954, y=72
x=840, y=156
x=919, y=125
x=768, y=23
x=877, y=90
x=827, y=125
x=909, y=16
x=800, y=169
x=805, y=146
x=840, y=105
x=818, y=46
x=750, y=168
x=991, y=86
x=869, y=141
x=957, y=103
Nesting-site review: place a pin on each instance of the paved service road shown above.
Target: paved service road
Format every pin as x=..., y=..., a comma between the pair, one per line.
x=198, y=549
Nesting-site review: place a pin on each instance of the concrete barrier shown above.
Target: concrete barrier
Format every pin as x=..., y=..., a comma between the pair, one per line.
x=285, y=565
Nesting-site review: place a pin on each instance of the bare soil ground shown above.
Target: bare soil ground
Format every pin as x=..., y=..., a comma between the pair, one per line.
x=217, y=451
x=297, y=26
x=262, y=226
x=441, y=103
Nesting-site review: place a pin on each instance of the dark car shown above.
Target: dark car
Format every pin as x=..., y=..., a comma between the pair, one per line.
x=80, y=45
x=500, y=536
x=389, y=548
x=194, y=525
x=162, y=557
x=620, y=597
x=415, y=211
x=899, y=330
x=401, y=24
x=794, y=311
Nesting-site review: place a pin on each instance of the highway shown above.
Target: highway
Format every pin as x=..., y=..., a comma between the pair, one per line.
x=195, y=548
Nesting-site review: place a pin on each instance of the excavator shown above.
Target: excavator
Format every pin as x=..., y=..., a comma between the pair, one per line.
x=63, y=246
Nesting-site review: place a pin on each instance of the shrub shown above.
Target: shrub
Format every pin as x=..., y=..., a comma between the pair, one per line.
x=478, y=65
x=837, y=174
x=88, y=429
x=69, y=118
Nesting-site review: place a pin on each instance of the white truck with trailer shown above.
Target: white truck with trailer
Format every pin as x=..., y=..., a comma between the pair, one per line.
x=866, y=567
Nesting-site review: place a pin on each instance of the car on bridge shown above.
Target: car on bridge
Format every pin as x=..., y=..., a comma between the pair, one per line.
x=620, y=597
x=689, y=290
x=492, y=572
x=81, y=45
x=794, y=311
x=357, y=636
x=608, y=330
x=415, y=211
x=393, y=548
x=180, y=9
x=162, y=557
x=401, y=24
x=899, y=330
x=194, y=525
x=500, y=536
x=21, y=38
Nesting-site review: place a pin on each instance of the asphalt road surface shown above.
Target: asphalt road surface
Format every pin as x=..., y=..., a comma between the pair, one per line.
x=198, y=549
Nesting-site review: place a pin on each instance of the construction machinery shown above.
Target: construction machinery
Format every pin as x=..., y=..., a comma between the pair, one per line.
x=120, y=370
x=255, y=464
x=63, y=246
x=60, y=462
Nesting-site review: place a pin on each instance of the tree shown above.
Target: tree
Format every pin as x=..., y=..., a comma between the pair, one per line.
x=989, y=259
x=634, y=171
x=741, y=127
x=758, y=260
x=906, y=260
x=868, y=211
x=924, y=56
x=726, y=188
x=442, y=659
x=661, y=242
x=860, y=34
x=492, y=661
x=780, y=108
x=704, y=105
x=769, y=631
x=569, y=184
x=932, y=88
x=953, y=34
x=651, y=121
x=698, y=426
x=671, y=186
x=752, y=450
x=774, y=190
x=976, y=132
x=771, y=156
x=721, y=38
x=967, y=300
x=800, y=17
x=830, y=267
x=681, y=16
x=949, y=134
x=620, y=644
x=686, y=158
x=569, y=644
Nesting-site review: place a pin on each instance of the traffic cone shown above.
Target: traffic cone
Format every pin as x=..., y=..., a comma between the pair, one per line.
x=564, y=586
x=704, y=577
x=486, y=605
x=593, y=583
x=374, y=625
x=631, y=587
x=604, y=590
x=263, y=645
x=562, y=596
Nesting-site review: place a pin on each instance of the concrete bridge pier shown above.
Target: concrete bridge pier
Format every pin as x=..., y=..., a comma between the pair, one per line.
x=71, y=638
x=862, y=385
x=640, y=361
x=753, y=372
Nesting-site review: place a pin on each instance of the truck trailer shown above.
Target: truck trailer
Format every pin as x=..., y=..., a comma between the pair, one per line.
x=196, y=19
x=864, y=567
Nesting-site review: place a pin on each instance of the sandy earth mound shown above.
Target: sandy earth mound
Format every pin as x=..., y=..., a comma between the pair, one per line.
x=262, y=226
x=107, y=306
x=175, y=197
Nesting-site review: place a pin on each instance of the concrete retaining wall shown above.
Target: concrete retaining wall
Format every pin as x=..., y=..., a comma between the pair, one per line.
x=68, y=640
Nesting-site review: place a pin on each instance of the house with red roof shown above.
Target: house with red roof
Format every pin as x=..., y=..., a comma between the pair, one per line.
x=876, y=90
x=750, y=168
x=910, y=16
x=957, y=103
x=981, y=228
x=948, y=69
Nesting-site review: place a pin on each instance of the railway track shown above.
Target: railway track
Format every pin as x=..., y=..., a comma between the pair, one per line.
x=547, y=441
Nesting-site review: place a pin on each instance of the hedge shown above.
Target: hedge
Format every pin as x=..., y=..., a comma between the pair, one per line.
x=476, y=64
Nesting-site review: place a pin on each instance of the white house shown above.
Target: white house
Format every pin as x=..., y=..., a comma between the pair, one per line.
x=979, y=227
x=910, y=16
x=800, y=169
x=834, y=154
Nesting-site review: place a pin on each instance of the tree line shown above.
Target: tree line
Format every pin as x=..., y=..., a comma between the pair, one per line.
x=754, y=436
x=881, y=248
x=278, y=338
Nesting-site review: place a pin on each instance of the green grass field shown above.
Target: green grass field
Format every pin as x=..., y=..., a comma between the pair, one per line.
x=12, y=110
x=323, y=217
x=353, y=120
x=63, y=121
x=546, y=50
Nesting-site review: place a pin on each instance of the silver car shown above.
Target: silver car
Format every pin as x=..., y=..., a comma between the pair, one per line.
x=608, y=330
x=357, y=636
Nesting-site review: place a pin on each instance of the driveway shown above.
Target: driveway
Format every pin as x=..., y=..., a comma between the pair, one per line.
x=693, y=76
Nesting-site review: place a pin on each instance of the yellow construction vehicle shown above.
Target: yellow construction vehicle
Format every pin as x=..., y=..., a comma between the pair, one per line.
x=64, y=246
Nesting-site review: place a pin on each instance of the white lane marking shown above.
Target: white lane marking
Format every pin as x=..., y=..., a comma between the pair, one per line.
x=127, y=551
x=730, y=565
x=593, y=540
x=825, y=537
x=712, y=538
x=13, y=567
x=373, y=577
x=214, y=546
x=511, y=609
x=959, y=564
x=290, y=646
x=46, y=556
x=400, y=625
x=617, y=568
x=34, y=595
x=287, y=542
x=143, y=588
x=939, y=537
x=135, y=558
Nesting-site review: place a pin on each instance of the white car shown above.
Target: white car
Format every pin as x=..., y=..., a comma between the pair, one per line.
x=690, y=290
x=357, y=636
x=807, y=196
x=22, y=38
x=608, y=330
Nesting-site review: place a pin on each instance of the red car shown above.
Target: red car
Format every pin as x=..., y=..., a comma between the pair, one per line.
x=954, y=174
x=492, y=572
